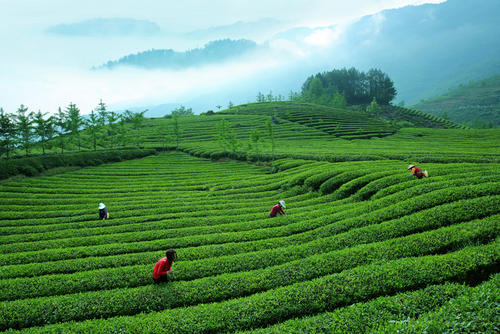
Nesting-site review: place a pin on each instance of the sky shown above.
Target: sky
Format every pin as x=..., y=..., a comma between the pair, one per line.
x=44, y=71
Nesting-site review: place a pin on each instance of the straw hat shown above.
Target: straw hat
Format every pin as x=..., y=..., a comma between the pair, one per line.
x=101, y=206
x=426, y=173
x=282, y=203
x=411, y=166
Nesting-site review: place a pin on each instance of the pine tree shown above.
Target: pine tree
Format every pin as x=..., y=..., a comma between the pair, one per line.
x=7, y=133
x=75, y=122
x=93, y=127
x=44, y=128
x=25, y=127
x=62, y=128
x=374, y=109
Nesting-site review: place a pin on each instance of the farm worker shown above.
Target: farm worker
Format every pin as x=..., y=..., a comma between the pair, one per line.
x=163, y=267
x=415, y=171
x=103, y=212
x=278, y=208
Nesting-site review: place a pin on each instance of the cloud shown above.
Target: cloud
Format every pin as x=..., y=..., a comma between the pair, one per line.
x=53, y=87
x=288, y=47
x=323, y=37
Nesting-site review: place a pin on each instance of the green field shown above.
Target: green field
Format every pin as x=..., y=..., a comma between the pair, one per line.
x=363, y=248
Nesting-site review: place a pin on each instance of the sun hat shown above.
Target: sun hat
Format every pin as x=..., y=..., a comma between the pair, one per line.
x=282, y=203
x=411, y=166
x=101, y=206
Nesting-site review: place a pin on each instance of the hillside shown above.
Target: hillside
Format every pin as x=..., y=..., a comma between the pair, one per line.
x=106, y=27
x=426, y=49
x=477, y=103
x=212, y=52
x=362, y=246
x=303, y=131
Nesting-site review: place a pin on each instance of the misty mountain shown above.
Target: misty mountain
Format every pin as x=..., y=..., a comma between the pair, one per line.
x=257, y=30
x=212, y=52
x=103, y=27
x=429, y=48
x=476, y=103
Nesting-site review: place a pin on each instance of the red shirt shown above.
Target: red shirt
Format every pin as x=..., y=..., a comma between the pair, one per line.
x=276, y=209
x=416, y=170
x=161, y=268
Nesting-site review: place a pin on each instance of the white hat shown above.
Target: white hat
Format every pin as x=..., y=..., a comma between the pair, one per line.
x=101, y=206
x=282, y=203
x=411, y=166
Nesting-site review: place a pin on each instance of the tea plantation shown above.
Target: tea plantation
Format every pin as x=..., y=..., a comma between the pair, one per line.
x=362, y=248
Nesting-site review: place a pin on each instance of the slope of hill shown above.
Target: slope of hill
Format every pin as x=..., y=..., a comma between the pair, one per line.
x=337, y=122
x=360, y=239
x=103, y=27
x=477, y=103
x=213, y=52
x=429, y=48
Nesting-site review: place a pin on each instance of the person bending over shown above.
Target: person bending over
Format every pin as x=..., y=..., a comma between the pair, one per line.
x=163, y=268
x=415, y=171
x=278, y=209
x=103, y=212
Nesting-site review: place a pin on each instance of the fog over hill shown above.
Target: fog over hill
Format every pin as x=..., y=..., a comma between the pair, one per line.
x=425, y=49
x=107, y=27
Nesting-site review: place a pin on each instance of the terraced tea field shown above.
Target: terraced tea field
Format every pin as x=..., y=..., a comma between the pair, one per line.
x=362, y=247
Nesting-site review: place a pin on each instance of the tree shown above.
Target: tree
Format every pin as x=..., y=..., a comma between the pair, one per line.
x=230, y=105
x=254, y=143
x=232, y=140
x=25, y=127
x=44, y=128
x=101, y=113
x=357, y=87
x=182, y=111
x=374, y=109
x=137, y=119
x=261, y=97
x=122, y=130
x=112, y=128
x=176, y=130
x=222, y=133
x=338, y=100
x=7, y=133
x=315, y=89
x=62, y=128
x=270, y=132
x=75, y=122
x=93, y=126
x=270, y=97
x=380, y=86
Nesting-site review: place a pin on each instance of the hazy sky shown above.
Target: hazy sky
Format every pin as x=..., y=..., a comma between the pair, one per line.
x=43, y=71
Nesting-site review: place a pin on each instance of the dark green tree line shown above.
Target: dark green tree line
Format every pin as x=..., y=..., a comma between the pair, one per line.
x=356, y=87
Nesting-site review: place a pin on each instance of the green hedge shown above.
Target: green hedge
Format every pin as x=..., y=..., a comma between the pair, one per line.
x=475, y=311
x=261, y=309
x=32, y=166
x=370, y=316
x=428, y=242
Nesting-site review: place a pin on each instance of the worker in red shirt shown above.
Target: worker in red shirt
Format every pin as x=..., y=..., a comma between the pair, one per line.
x=278, y=208
x=163, y=268
x=415, y=171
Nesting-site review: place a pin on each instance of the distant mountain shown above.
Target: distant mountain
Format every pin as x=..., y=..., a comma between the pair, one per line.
x=212, y=52
x=477, y=103
x=107, y=27
x=429, y=48
x=256, y=30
